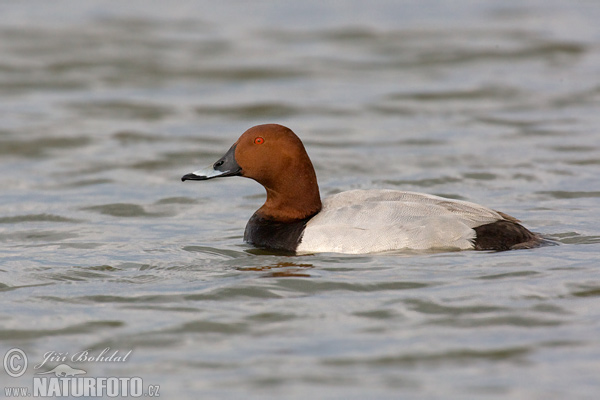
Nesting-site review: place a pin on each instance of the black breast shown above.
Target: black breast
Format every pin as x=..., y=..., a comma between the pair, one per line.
x=274, y=235
x=505, y=235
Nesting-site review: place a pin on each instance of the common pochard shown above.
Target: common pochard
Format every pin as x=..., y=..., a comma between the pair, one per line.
x=294, y=219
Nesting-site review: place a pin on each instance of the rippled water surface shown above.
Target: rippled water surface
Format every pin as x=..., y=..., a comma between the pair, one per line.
x=104, y=106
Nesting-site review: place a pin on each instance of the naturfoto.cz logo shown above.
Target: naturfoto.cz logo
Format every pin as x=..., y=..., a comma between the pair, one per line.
x=65, y=381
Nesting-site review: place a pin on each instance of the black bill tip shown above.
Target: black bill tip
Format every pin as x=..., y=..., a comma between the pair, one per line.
x=193, y=177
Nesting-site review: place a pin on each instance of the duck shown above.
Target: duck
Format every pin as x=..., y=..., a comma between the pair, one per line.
x=294, y=219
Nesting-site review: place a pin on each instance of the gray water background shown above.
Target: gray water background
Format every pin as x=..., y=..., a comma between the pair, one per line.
x=104, y=105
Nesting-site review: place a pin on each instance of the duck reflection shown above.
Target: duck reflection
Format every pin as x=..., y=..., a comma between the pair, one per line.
x=282, y=270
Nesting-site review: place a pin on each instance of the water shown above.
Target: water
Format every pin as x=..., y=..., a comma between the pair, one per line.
x=104, y=107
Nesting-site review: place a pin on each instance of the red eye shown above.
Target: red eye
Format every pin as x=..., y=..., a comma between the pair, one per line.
x=259, y=140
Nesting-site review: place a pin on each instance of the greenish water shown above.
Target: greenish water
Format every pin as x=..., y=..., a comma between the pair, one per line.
x=104, y=106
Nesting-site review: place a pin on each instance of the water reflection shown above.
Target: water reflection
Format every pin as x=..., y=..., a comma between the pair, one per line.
x=282, y=270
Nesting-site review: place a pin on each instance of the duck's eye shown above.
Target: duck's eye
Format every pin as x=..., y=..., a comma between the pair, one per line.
x=259, y=140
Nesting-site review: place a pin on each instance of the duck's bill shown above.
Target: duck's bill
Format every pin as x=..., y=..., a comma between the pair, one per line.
x=204, y=174
x=225, y=166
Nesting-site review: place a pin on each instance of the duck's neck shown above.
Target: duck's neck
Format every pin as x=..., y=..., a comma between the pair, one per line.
x=294, y=199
